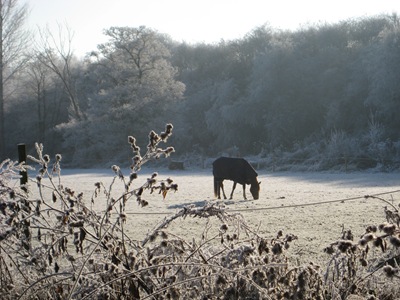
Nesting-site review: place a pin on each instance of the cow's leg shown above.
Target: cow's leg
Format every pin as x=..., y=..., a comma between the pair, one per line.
x=244, y=192
x=216, y=187
x=223, y=192
x=219, y=184
x=233, y=189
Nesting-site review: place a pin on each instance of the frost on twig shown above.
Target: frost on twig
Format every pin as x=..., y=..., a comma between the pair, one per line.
x=207, y=211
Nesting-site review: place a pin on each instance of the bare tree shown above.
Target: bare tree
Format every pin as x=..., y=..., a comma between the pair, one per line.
x=57, y=55
x=13, y=42
x=38, y=83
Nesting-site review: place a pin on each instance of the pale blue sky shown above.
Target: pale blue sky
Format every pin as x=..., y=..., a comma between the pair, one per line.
x=194, y=21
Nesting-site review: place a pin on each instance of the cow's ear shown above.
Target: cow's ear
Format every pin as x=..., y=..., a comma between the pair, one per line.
x=259, y=182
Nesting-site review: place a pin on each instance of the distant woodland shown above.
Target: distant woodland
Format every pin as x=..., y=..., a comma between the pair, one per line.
x=321, y=96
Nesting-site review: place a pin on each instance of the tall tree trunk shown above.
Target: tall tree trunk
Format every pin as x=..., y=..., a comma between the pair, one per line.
x=41, y=111
x=13, y=42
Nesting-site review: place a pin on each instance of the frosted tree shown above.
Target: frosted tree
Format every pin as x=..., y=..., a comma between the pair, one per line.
x=133, y=84
x=136, y=68
x=382, y=64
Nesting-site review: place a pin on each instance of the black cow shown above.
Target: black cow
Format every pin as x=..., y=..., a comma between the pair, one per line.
x=239, y=171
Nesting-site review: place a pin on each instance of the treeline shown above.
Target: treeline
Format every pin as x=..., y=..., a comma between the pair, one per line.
x=323, y=95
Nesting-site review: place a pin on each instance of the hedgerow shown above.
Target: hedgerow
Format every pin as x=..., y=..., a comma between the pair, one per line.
x=59, y=246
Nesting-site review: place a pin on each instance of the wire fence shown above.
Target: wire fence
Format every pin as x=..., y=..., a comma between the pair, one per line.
x=284, y=206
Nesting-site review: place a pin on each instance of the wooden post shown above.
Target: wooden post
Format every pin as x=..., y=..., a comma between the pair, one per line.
x=22, y=158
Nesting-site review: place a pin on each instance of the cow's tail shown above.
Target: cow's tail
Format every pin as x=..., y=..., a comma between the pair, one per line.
x=216, y=186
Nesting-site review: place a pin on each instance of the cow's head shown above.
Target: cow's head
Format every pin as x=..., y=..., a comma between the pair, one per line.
x=255, y=189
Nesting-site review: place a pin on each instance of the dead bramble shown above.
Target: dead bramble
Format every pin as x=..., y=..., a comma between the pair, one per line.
x=329, y=250
x=220, y=280
x=389, y=228
x=379, y=242
x=223, y=227
x=363, y=262
x=390, y=271
x=133, y=176
x=164, y=235
x=277, y=249
x=344, y=245
x=46, y=158
x=369, y=237
x=371, y=228
x=395, y=241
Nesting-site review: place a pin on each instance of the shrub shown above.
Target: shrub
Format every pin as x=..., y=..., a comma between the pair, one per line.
x=368, y=266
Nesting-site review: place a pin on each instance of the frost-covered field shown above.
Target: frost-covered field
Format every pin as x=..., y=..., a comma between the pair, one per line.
x=282, y=205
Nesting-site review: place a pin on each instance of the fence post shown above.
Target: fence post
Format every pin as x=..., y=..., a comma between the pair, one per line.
x=22, y=158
